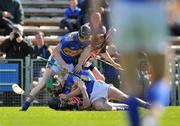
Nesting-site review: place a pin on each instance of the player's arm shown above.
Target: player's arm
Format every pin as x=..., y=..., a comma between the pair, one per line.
x=86, y=100
x=74, y=93
x=108, y=58
x=82, y=59
x=58, y=57
x=71, y=94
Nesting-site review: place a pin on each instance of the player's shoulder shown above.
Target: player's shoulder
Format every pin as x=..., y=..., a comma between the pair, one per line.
x=70, y=37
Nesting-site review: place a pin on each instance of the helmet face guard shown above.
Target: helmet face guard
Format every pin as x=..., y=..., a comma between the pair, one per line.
x=54, y=86
x=85, y=32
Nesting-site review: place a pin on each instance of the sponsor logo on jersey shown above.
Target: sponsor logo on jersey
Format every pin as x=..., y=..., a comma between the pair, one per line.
x=70, y=52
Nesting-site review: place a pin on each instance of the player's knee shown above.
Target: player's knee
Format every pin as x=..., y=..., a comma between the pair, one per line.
x=41, y=86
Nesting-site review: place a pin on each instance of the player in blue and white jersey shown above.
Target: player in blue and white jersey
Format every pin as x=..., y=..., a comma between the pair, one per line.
x=97, y=93
x=61, y=61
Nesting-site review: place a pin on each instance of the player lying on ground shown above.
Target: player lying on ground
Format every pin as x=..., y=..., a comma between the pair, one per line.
x=57, y=85
x=97, y=93
x=64, y=55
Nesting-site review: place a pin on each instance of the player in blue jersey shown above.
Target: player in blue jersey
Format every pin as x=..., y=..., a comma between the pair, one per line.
x=62, y=59
x=97, y=93
x=57, y=85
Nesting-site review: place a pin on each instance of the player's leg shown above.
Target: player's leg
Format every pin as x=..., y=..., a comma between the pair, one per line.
x=48, y=73
x=116, y=94
x=118, y=106
x=102, y=104
x=34, y=92
x=158, y=93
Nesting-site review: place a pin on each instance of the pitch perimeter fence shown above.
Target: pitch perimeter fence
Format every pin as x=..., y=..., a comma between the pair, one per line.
x=28, y=73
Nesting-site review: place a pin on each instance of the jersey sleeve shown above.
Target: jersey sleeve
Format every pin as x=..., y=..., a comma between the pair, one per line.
x=64, y=39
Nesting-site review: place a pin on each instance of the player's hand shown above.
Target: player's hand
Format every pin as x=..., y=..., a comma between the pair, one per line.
x=78, y=68
x=117, y=66
x=63, y=96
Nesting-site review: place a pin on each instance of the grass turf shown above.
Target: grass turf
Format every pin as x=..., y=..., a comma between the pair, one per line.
x=43, y=116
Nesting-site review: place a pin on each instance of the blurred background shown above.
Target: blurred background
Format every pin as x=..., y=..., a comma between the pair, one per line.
x=44, y=22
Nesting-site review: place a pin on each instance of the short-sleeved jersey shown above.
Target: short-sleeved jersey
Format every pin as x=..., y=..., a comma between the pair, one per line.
x=71, y=47
x=68, y=85
x=70, y=81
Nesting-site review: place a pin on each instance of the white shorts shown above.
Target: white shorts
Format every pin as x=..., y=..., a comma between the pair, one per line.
x=100, y=90
x=141, y=26
x=56, y=67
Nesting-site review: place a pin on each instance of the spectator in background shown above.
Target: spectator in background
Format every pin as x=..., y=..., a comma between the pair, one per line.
x=15, y=47
x=40, y=48
x=174, y=17
x=96, y=24
x=101, y=6
x=87, y=8
x=11, y=12
x=71, y=17
x=83, y=16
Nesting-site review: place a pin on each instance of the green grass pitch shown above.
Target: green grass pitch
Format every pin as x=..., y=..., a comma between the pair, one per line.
x=43, y=116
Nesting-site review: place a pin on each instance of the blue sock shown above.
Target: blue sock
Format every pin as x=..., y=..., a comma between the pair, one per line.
x=133, y=111
x=25, y=106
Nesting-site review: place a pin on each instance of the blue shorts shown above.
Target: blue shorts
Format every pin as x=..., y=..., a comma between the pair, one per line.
x=159, y=93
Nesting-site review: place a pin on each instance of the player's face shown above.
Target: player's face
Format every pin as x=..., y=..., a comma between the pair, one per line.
x=85, y=39
x=96, y=20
